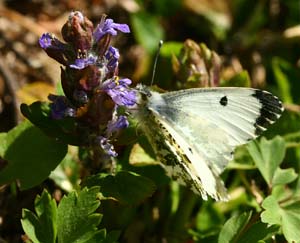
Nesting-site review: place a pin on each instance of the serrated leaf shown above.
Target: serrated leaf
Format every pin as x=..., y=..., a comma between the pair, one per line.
x=267, y=155
x=102, y=237
x=231, y=230
x=287, y=216
x=76, y=218
x=147, y=30
x=41, y=227
x=112, y=236
x=126, y=187
x=30, y=154
x=284, y=176
x=271, y=214
x=281, y=192
x=99, y=237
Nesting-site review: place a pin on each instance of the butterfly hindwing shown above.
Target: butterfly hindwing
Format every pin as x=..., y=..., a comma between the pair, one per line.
x=190, y=168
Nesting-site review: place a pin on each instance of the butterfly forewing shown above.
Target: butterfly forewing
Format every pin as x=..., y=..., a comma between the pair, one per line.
x=198, y=129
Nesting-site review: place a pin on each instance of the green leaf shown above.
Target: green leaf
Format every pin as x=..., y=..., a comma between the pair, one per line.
x=167, y=8
x=241, y=79
x=171, y=48
x=232, y=228
x=267, y=155
x=30, y=154
x=291, y=221
x=41, y=227
x=126, y=187
x=287, y=216
x=138, y=156
x=66, y=174
x=64, y=130
x=2, y=143
x=98, y=237
x=208, y=217
x=284, y=176
x=271, y=215
x=257, y=232
x=147, y=30
x=112, y=236
x=102, y=237
x=280, y=67
x=76, y=218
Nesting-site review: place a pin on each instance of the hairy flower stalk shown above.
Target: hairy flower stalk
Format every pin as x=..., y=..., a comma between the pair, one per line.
x=89, y=76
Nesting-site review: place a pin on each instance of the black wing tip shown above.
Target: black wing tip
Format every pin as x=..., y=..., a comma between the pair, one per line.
x=270, y=111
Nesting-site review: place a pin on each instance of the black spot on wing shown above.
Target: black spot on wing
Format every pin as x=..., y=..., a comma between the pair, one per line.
x=224, y=101
x=270, y=111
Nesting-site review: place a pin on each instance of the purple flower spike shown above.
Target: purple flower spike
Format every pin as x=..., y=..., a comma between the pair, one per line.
x=115, y=125
x=48, y=40
x=107, y=147
x=119, y=91
x=81, y=63
x=109, y=27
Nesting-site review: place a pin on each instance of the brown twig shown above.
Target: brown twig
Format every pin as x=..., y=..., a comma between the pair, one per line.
x=292, y=107
x=12, y=87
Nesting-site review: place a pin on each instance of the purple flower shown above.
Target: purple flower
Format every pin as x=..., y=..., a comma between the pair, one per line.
x=117, y=123
x=107, y=26
x=55, y=48
x=112, y=56
x=48, y=40
x=106, y=146
x=60, y=107
x=81, y=63
x=119, y=91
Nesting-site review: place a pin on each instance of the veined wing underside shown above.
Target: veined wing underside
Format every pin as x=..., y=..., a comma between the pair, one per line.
x=177, y=156
x=206, y=125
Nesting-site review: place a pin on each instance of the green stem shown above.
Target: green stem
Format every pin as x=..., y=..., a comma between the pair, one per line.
x=182, y=217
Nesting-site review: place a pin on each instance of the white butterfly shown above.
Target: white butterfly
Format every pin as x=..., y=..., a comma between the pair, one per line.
x=195, y=131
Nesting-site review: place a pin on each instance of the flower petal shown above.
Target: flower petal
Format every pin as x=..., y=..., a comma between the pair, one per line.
x=81, y=63
x=109, y=27
x=48, y=40
x=119, y=91
x=119, y=123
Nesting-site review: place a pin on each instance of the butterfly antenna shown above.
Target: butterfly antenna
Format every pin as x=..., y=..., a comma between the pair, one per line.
x=155, y=60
